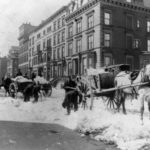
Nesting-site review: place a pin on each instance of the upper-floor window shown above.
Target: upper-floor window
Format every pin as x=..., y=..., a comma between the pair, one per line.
x=63, y=36
x=54, y=53
x=63, y=20
x=58, y=53
x=58, y=38
x=90, y=21
x=138, y=24
x=90, y=41
x=44, y=32
x=78, y=45
x=148, y=45
x=49, y=29
x=48, y=43
x=70, y=31
x=148, y=26
x=38, y=36
x=129, y=42
x=129, y=21
x=39, y=47
x=55, y=26
x=107, y=18
x=59, y=23
x=32, y=40
x=44, y=44
x=136, y=43
x=70, y=49
x=63, y=51
x=79, y=26
x=54, y=40
x=107, y=39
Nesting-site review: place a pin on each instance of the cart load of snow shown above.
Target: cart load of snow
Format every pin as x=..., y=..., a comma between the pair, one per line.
x=40, y=80
x=21, y=79
x=92, y=71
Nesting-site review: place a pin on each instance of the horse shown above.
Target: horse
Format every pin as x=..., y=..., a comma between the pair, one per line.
x=143, y=91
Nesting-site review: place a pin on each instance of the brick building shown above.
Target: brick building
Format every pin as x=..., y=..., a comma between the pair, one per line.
x=24, y=31
x=106, y=32
x=12, y=61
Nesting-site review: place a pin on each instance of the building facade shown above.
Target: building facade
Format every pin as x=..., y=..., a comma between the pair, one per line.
x=84, y=34
x=107, y=32
x=12, y=61
x=24, y=31
x=3, y=68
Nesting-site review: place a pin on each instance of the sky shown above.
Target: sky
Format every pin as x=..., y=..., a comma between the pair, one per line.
x=15, y=12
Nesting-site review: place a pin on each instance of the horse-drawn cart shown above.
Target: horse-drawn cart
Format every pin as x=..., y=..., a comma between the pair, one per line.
x=20, y=83
x=103, y=83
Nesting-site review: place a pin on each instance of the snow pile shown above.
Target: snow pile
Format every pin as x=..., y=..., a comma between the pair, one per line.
x=21, y=79
x=125, y=131
x=41, y=80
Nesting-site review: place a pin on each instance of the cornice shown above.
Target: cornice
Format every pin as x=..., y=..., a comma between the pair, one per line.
x=87, y=6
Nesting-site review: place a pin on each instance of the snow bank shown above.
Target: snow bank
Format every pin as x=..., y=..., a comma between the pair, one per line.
x=125, y=131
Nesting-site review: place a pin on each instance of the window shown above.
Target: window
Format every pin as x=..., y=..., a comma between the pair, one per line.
x=70, y=48
x=58, y=53
x=107, y=18
x=55, y=26
x=148, y=26
x=63, y=51
x=38, y=36
x=148, y=45
x=49, y=29
x=59, y=24
x=63, y=36
x=69, y=68
x=44, y=32
x=44, y=44
x=84, y=65
x=58, y=38
x=138, y=24
x=48, y=43
x=107, y=60
x=79, y=26
x=54, y=54
x=78, y=46
x=54, y=42
x=32, y=40
x=38, y=47
x=136, y=43
x=90, y=42
x=107, y=39
x=129, y=1
x=70, y=31
x=129, y=42
x=130, y=61
x=129, y=22
x=63, y=20
x=90, y=21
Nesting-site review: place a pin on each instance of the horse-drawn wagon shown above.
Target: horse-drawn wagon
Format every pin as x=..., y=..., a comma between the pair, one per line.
x=105, y=83
x=20, y=83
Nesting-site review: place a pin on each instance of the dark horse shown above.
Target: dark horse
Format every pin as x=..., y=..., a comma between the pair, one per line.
x=6, y=83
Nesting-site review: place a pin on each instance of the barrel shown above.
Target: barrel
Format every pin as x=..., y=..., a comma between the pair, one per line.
x=106, y=80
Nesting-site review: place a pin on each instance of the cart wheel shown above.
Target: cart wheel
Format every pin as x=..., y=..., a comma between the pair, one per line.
x=110, y=100
x=12, y=90
x=48, y=91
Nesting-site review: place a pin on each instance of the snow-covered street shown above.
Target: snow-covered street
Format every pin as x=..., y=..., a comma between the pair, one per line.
x=125, y=131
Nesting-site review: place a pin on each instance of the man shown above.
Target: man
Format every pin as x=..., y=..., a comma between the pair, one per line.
x=71, y=95
x=19, y=73
x=28, y=92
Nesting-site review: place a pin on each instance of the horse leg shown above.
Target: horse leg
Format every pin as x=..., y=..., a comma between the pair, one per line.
x=148, y=101
x=142, y=108
x=123, y=97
